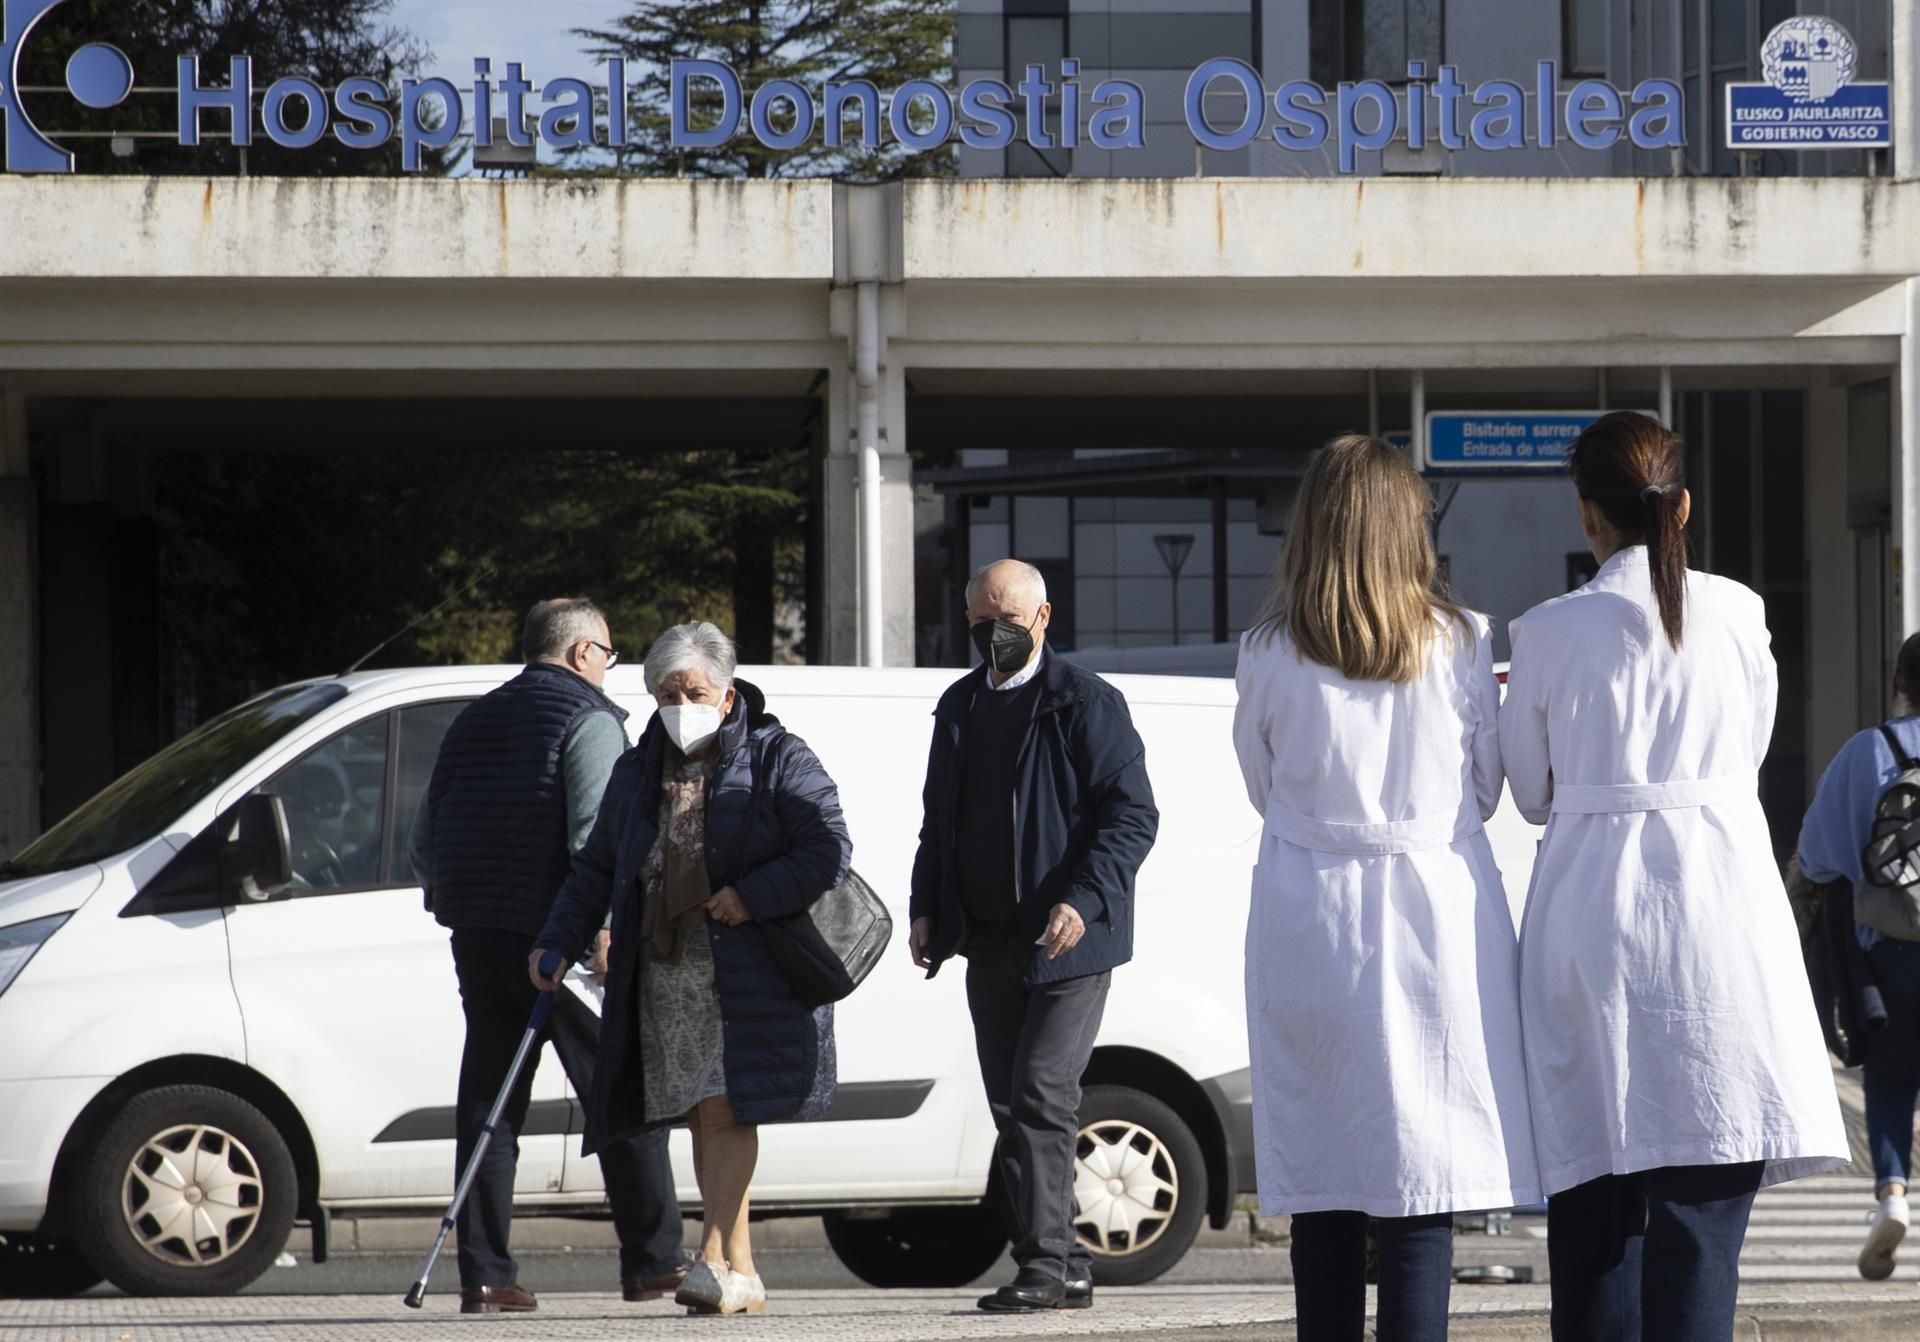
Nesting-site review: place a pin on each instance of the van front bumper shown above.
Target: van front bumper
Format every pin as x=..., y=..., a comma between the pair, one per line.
x=35, y=1117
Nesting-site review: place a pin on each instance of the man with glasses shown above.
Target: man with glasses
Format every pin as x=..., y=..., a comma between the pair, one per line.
x=514, y=794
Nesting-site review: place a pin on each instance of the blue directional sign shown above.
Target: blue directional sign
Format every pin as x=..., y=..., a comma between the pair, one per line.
x=1502, y=442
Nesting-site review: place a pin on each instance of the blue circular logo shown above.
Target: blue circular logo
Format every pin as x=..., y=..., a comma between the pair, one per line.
x=100, y=75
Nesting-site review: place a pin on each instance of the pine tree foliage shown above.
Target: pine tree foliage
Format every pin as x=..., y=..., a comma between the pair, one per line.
x=887, y=42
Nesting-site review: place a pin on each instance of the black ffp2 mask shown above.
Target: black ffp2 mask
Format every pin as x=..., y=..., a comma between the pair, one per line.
x=1003, y=645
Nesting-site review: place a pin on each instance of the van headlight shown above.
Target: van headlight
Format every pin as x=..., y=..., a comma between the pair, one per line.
x=19, y=942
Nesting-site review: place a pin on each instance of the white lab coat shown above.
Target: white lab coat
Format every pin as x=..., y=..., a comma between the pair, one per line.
x=1666, y=1008
x=1382, y=1003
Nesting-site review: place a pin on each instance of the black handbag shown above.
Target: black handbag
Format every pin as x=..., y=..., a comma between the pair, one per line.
x=828, y=949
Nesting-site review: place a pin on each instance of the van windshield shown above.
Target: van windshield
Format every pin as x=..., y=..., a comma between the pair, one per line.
x=142, y=802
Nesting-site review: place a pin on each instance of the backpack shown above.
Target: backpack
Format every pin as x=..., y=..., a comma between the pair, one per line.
x=1889, y=899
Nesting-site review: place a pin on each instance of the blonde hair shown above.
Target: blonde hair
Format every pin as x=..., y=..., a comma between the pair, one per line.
x=1354, y=586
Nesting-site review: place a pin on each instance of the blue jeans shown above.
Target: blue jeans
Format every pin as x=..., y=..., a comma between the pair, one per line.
x=1892, y=1068
x=1652, y=1256
x=1330, y=1276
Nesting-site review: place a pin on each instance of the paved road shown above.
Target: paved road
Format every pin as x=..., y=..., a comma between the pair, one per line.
x=1859, y=1312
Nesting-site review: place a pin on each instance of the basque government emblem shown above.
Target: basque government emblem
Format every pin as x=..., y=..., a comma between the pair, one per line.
x=1809, y=58
x=1810, y=99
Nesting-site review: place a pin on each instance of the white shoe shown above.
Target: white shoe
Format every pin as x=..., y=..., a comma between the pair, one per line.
x=1885, y=1230
x=715, y=1288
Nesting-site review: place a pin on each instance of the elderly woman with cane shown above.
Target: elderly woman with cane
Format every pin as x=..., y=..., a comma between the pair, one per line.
x=717, y=821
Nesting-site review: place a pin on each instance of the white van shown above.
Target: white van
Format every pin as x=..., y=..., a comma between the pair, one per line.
x=194, y=1055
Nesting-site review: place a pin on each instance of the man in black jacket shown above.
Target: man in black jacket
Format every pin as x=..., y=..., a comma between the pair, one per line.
x=1037, y=815
x=513, y=796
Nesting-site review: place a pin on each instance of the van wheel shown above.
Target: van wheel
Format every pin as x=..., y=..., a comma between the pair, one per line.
x=188, y=1191
x=919, y=1247
x=35, y=1269
x=1140, y=1185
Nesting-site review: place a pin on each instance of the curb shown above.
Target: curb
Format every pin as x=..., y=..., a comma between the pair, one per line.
x=570, y=1234
x=1754, y=1323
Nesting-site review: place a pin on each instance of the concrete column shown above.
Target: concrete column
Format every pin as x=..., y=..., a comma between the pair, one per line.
x=896, y=508
x=1906, y=473
x=1904, y=72
x=1832, y=640
x=839, y=488
x=19, y=627
x=867, y=250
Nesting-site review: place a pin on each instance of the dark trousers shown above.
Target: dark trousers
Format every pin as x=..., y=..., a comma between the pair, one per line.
x=1034, y=1042
x=1892, y=1068
x=1652, y=1256
x=1330, y=1276
x=498, y=997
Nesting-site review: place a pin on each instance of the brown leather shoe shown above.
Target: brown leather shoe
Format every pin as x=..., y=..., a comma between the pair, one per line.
x=497, y=1300
x=635, y=1290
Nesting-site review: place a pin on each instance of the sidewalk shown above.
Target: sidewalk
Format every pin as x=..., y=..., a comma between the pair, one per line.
x=411, y=1234
x=1861, y=1312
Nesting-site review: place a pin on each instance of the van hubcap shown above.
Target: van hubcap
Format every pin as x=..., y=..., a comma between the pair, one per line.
x=1126, y=1186
x=192, y=1196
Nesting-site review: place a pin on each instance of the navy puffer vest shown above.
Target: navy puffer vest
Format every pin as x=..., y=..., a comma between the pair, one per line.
x=499, y=801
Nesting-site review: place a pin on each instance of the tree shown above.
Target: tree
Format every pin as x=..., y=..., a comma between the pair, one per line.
x=325, y=40
x=654, y=535
x=810, y=41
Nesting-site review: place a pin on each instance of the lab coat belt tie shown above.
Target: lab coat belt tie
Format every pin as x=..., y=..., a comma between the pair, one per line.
x=1374, y=840
x=1619, y=798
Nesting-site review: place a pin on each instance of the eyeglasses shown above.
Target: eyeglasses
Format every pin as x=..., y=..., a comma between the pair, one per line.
x=613, y=658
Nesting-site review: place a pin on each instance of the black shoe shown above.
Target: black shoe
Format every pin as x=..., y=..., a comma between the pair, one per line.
x=497, y=1300
x=1031, y=1290
x=1079, y=1293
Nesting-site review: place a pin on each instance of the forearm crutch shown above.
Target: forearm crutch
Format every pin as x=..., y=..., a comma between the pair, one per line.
x=550, y=966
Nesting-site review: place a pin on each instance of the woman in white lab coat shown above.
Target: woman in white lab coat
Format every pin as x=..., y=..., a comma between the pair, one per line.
x=1382, y=1003
x=1673, y=1055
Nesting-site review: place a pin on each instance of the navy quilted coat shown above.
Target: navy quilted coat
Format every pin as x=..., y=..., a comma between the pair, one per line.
x=774, y=833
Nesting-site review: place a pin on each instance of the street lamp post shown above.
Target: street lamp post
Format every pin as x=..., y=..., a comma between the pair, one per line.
x=1174, y=549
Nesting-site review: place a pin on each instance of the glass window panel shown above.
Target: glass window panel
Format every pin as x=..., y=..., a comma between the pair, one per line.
x=1382, y=43
x=1145, y=606
x=1690, y=33
x=1041, y=41
x=1731, y=42
x=1245, y=599
x=1725, y=161
x=1041, y=528
x=987, y=543
x=421, y=730
x=1023, y=160
x=1162, y=510
x=1093, y=548
x=1426, y=23
x=1690, y=93
x=1196, y=609
x=1586, y=35
x=335, y=799
x=1383, y=35
x=1093, y=601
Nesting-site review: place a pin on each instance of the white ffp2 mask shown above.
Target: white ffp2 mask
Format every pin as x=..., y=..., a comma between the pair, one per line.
x=690, y=726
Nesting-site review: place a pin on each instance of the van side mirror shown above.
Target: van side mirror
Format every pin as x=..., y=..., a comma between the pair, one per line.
x=256, y=850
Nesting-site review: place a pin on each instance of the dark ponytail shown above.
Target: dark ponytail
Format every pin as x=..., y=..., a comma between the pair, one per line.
x=1633, y=470
x=1906, y=672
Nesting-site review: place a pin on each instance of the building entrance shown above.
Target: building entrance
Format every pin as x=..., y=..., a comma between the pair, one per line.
x=1157, y=518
